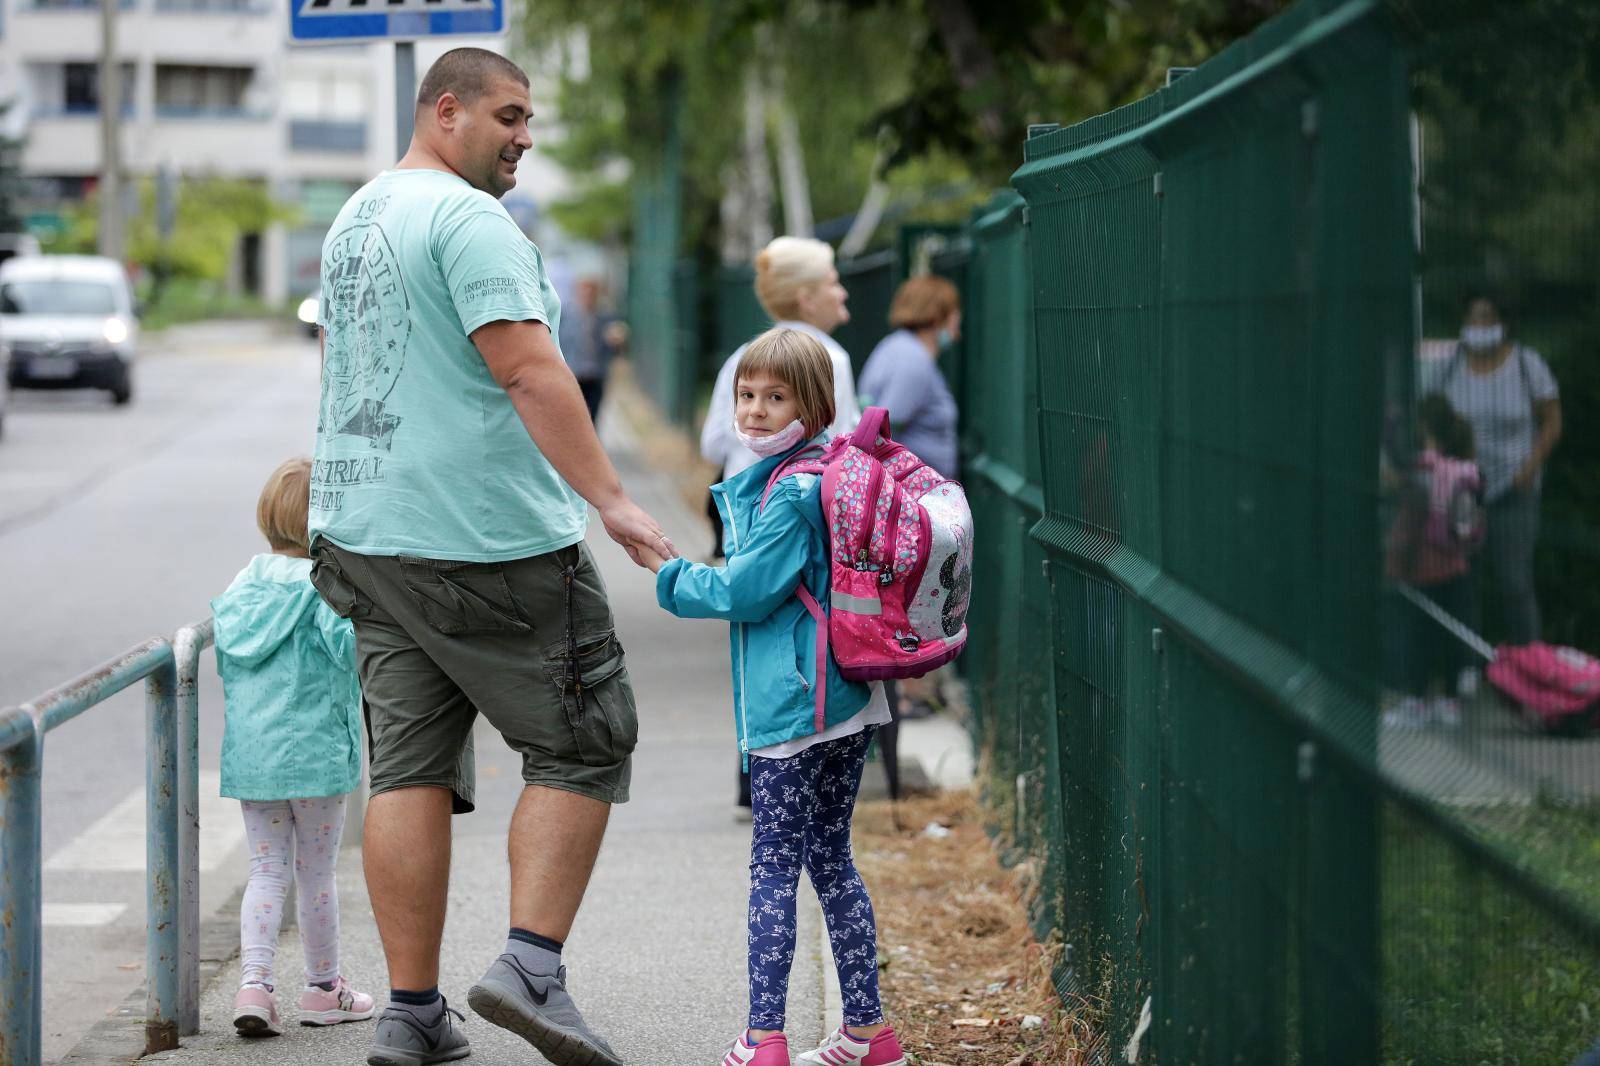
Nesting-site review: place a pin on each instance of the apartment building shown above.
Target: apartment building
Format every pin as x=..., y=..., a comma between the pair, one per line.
x=214, y=87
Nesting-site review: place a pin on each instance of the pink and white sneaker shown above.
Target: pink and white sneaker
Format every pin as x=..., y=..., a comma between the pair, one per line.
x=773, y=1051
x=341, y=1003
x=255, y=1012
x=842, y=1049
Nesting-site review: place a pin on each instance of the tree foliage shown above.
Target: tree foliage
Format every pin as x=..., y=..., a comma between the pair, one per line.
x=952, y=84
x=213, y=214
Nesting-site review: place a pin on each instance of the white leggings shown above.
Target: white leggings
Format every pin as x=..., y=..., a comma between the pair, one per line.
x=310, y=829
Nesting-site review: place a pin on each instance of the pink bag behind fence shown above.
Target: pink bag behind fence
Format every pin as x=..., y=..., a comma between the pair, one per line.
x=900, y=539
x=1557, y=687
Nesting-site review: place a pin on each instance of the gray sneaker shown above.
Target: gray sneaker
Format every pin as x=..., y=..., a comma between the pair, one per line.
x=539, y=1010
x=402, y=1040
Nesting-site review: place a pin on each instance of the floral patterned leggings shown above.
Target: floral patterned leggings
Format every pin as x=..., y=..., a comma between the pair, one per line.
x=309, y=829
x=801, y=814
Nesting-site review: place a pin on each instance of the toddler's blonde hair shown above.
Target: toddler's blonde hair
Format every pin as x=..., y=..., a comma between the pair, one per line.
x=282, y=512
x=799, y=361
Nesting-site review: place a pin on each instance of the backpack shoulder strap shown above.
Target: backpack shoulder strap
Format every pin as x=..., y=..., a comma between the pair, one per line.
x=815, y=610
x=808, y=461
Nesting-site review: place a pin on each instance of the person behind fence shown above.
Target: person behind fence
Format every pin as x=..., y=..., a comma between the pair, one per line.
x=1510, y=398
x=1439, y=526
x=291, y=752
x=798, y=286
x=803, y=781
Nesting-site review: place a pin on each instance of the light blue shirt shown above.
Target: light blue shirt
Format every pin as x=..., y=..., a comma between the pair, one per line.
x=901, y=376
x=419, y=451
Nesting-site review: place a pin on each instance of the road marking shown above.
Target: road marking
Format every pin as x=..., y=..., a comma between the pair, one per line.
x=115, y=843
x=82, y=913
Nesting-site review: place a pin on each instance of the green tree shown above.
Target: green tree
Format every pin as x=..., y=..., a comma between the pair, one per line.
x=213, y=215
x=943, y=89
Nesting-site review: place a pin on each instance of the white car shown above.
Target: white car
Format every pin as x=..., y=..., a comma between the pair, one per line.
x=69, y=322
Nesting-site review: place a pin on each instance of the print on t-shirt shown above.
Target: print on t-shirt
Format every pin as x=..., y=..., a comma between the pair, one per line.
x=369, y=325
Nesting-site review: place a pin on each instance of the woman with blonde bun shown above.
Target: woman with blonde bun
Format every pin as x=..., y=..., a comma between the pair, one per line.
x=798, y=286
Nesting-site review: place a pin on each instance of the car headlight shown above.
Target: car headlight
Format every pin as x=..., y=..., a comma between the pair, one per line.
x=115, y=331
x=308, y=310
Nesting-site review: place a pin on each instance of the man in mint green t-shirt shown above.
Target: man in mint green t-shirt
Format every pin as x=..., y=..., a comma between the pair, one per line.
x=454, y=457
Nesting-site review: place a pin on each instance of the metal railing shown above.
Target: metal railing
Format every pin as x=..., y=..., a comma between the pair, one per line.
x=169, y=669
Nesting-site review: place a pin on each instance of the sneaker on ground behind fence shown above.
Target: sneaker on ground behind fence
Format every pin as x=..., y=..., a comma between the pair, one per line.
x=330, y=1006
x=538, y=1009
x=842, y=1049
x=255, y=1012
x=401, y=1039
x=773, y=1051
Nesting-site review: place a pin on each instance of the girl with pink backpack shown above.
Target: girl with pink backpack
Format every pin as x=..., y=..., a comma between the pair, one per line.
x=802, y=724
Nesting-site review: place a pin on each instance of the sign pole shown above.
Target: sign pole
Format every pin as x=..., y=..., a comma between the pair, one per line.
x=405, y=94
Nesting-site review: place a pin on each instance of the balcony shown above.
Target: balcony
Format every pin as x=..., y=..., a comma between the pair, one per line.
x=317, y=135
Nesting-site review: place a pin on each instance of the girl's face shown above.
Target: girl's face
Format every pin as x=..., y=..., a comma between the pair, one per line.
x=763, y=405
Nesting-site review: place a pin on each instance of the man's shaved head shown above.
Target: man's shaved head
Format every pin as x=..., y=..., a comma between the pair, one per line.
x=466, y=74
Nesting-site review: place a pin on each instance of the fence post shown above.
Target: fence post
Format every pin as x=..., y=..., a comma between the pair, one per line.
x=161, y=857
x=187, y=644
x=20, y=915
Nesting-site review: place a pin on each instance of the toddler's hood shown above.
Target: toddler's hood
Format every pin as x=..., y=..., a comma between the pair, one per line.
x=263, y=606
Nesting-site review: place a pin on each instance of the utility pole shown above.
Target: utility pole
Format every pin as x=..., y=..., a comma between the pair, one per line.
x=405, y=94
x=111, y=220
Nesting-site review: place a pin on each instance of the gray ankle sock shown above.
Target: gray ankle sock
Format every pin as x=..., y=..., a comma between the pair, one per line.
x=427, y=1006
x=539, y=955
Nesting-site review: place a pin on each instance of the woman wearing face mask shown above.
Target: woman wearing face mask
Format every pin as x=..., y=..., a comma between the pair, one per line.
x=903, y=372
x=903, y=375
x=798, y=286
x=1508, y=395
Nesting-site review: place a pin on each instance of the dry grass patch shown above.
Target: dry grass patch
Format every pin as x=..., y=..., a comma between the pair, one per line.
x=963, y=978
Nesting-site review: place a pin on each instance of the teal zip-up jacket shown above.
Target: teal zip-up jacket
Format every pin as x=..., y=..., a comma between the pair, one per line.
x=772, y=641
x=292, y=719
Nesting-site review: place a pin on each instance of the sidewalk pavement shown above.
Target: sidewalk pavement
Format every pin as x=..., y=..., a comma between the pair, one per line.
x=657, y=956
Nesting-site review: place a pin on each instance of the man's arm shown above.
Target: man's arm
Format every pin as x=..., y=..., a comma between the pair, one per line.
x=523, y=359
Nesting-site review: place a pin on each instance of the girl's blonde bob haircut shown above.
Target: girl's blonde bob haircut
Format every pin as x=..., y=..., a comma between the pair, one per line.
x=799, y=361
x=786, y=268
x=282, y=512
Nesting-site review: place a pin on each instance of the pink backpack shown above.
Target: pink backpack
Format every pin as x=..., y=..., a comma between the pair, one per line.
x=1556, y=686
x=901, y=544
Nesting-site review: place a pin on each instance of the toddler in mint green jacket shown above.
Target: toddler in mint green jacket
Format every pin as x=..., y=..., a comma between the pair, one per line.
x=291, y=751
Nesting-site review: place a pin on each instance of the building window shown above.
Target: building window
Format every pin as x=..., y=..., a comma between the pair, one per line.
x=74, y=88
x=81, y=88
x=183, y=91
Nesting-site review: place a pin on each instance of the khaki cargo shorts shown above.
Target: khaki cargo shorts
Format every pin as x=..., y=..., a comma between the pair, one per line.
x=529, y=644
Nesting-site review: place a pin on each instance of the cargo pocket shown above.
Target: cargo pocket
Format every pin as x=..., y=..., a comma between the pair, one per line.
x=456, y=598
x=331, y=584
x=596, y=697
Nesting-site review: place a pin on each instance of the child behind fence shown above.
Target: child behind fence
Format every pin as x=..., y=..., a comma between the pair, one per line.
x=1440, y=525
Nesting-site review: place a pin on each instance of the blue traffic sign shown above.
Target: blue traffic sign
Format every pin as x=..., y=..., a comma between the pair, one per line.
x=338, y=21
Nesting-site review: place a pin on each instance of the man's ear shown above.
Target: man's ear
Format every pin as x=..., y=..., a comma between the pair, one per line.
x=447, y=110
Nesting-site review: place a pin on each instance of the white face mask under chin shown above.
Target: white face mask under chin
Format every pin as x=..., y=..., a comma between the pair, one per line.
x=773, y=443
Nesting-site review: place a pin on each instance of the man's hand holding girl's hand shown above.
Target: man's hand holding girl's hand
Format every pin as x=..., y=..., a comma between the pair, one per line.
x=639, y=534
x=645, y=557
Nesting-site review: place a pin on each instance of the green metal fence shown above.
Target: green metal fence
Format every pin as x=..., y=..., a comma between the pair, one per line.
x=1248, y=857
x=1196, y=339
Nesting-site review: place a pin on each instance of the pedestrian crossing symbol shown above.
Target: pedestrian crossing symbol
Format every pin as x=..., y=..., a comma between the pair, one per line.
x=331, y=21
